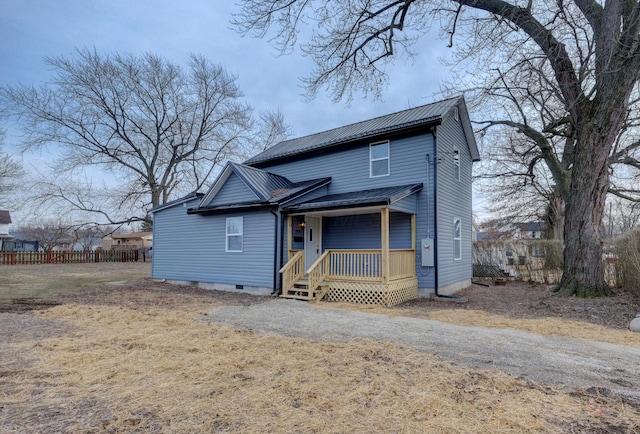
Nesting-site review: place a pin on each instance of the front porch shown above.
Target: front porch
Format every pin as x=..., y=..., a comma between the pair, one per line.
x=382, y=276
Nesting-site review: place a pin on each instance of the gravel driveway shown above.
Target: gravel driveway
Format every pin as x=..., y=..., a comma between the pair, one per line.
x=546, y=360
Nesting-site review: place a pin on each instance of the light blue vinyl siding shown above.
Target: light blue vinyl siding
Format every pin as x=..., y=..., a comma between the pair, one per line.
x=363, y=231
x=192, y=248
x=349, y=167
x=454, y=201
x=234, y=190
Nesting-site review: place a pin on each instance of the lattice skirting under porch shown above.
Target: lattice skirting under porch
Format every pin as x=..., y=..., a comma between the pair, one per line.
x=395, y=292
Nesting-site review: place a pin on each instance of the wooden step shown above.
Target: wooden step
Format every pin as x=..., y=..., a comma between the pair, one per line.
x=300, y=291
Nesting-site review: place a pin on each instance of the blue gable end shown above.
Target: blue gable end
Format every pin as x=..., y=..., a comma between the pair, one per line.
x=234, y=190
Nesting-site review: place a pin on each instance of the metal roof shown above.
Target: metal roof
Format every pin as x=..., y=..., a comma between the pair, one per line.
x=270, y=189
x=422, y=115
x=262, y=183
x=375, y=196
x=184, y=199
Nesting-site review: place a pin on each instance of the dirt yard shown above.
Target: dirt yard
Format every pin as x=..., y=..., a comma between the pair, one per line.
x=133, y=355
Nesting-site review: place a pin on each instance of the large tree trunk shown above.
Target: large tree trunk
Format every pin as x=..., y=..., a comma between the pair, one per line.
x=583, y=273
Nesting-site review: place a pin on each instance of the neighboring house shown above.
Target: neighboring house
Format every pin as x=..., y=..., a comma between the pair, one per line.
x=529, y=230
x=514, y=231
x=130, y=241
x=5, y=221
x=19, y=242
x=374, y=212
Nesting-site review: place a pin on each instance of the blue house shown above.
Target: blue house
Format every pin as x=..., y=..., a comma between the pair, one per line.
x=374, y=212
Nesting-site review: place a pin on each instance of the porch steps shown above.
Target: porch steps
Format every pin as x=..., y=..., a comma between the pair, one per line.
x=300, y=291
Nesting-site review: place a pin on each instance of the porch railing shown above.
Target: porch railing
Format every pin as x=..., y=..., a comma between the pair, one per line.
x=348, y=265
x=402, y=264
x=355, y=264
x=318, y=271
x=360, y=265
x=292, y=271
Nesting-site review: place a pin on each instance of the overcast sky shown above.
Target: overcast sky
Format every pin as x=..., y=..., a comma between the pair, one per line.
x=33, y=29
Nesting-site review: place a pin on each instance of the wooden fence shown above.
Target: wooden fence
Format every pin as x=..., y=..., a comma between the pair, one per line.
x=23, y=258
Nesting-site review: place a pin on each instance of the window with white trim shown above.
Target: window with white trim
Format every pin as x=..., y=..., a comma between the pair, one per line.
x=457, y=238
x=234, y=234
x=379, y=159
x=456, y=164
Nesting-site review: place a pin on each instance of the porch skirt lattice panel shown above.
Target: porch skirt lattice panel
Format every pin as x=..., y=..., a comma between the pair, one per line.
x=395, y=292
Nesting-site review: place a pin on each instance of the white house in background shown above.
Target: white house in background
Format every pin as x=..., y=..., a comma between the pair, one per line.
x=5, y=221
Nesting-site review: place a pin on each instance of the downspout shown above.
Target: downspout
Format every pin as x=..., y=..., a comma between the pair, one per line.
x=281, y=253
x=435, y=210
x=277, y=241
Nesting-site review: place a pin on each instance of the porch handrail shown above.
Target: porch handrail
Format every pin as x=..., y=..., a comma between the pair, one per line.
x=292, y=271
x=318, y=271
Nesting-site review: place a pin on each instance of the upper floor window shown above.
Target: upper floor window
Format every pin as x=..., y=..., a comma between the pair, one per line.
x=234, y=234
x=456, y=164
x=379, y=159
x=457, y=238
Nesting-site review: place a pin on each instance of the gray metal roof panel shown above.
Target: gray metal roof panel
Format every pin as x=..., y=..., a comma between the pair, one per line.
x=430, y=113
x=190, y=196
x=298, y=188
x=264, y=184
x=376, y=196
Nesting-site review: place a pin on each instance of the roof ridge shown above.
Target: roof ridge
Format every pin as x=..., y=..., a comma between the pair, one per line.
x=373, y=119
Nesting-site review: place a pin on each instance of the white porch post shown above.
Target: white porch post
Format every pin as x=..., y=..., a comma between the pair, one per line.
x=384, y=223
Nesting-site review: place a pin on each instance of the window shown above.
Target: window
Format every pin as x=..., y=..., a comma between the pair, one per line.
x=456, y=165
x=234, y=234
x=379, y=159
x=457, y=239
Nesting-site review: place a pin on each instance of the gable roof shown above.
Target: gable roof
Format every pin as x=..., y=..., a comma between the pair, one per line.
x=5, y=217
x=269, y=188
x=430, y=114
x=263, y=184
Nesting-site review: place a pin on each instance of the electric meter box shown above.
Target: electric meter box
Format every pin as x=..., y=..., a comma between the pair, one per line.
x=426, y=247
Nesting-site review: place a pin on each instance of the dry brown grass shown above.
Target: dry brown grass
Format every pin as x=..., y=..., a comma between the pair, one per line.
x=544, y=326
x=547, y=326
x=165, y=370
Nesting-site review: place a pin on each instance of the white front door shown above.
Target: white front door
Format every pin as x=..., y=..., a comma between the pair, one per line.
x=311, y=241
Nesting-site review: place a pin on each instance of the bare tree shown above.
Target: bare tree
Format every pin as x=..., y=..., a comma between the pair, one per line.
x=158, y=130
x=587, y=52
x=89, y=237
x=621, y=217
x=11, y=173
x=49, y=233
